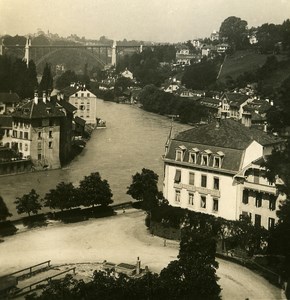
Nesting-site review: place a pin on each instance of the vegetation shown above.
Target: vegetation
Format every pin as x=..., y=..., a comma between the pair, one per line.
x=157, y=101
x=144, y=188
x=64, y=196
x=28, y=203
x=234, y=31
x=93, y=190
x=16, y=77
x=4, y=212
x=46, y=82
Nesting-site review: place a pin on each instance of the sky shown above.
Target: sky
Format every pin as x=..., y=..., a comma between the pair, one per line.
x=150, y=20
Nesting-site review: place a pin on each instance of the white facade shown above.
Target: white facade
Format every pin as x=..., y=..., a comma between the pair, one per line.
x=85, y=102
x=215, y=179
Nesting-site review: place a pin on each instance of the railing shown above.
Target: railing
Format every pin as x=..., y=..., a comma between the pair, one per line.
x=31, y=272
x=33, y=286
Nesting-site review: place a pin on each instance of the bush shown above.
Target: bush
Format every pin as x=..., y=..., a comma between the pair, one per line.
x=7, y=228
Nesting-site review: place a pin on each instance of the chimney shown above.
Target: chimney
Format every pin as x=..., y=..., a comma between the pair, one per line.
x=265, y=127
x=44, y=97
x=62, y=96
x=138, y=266
x=272, y=102
x=36, y=97
x=247, y=119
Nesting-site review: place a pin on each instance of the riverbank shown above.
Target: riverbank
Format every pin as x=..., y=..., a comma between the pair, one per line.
x=121, y=238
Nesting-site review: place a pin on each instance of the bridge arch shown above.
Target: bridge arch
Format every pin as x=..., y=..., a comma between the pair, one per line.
x=87, y=52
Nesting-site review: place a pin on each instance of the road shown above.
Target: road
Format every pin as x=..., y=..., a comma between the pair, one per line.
x=121, y=238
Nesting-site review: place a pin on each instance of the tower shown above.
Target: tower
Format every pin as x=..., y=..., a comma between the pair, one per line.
x=114, y=54
x=27, y=46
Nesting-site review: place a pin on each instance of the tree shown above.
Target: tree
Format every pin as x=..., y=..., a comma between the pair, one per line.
x=234, y=30
x=4, y=212
x=95, y=191
x=193, y=275
x=144, y=188
x=65, y=79
x=28, y=203
x=64, y=196
x=46, y=82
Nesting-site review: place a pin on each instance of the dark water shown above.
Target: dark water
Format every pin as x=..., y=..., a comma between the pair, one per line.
x=133, y=139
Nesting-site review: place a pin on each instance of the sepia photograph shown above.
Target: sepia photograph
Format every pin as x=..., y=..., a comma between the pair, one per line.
x=144, y=149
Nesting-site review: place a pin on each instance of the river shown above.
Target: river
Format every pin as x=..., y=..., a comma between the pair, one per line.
x=134, y=139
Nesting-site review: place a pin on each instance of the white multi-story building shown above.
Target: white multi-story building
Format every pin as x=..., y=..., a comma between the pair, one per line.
x=217, y=169
x=85, y=102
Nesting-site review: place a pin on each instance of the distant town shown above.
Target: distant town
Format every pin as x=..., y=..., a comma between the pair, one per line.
x=225, y=186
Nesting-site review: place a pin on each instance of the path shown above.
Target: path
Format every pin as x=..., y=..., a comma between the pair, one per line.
x=118, y=239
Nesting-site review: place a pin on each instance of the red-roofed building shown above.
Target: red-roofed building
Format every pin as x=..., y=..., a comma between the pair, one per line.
x=216, y=169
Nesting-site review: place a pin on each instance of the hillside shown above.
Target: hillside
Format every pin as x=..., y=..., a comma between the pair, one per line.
x=240, y=62
x=251, y=61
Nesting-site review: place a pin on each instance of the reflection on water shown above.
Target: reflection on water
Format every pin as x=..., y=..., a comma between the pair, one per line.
x=133, y=139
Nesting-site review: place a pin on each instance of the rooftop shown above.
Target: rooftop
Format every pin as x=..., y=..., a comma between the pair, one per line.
x=9, y=98
x=229, y=134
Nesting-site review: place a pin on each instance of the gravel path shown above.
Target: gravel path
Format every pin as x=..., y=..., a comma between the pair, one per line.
x=121, y=238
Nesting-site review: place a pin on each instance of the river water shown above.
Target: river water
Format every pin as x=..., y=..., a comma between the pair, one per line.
x=134, y=139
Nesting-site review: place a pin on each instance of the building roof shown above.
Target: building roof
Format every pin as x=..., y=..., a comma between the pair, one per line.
x=210, y=102
x=235, y=99
x=230, y=161
x=229, y=134
x=31, y=110
x=9, y=98
x=5, y=121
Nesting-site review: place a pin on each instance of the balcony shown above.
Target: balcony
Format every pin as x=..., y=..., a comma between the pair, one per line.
x=260, y=188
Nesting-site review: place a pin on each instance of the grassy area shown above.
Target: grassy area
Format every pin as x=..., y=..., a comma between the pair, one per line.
x=240, y=62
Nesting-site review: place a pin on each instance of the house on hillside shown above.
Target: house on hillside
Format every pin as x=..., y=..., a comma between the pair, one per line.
x=218, y=169
x=222, y=48
x=215, y=36
x=8, y=102
x=232, y=104
x=184, y=56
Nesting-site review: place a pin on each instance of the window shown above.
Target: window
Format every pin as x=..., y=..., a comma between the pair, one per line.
x=50, y=145
x=179, y=155
x=39, y=135
x=82, y=94
x=271, y=223
x=88, y=94
x=20, y=146
x=25, y=147
x=258, y=202
x=272, y=202
x=21, y=135
x=203, y=180
x=177, y=177
x=76, y=94
x=216, y=183
x=191, y=178
x=50, y=134
x=217, y=162
x=26, y=135
x=245, y=197
x=203, y=201
x=39, y=156
x=39, y=145
x=177, y=196
x=190, y=198
x=14, y=133
x=256, y=176
x=258, y=220
x=204, y=160
x=215, y=206
x=82, y=107
x=193, y=157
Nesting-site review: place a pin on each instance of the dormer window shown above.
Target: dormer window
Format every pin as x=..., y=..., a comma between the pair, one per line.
x=179, y=154
x=193, y=155
x=205, y=157
x=217, y=160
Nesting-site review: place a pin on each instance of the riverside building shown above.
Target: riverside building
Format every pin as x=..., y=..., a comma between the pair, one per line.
x=218, y=169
